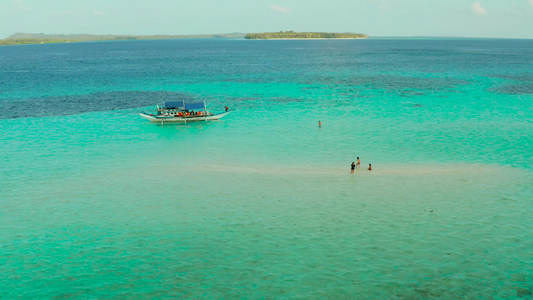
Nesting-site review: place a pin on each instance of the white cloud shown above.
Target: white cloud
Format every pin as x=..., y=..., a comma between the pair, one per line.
x=280, y=9
x=478, y=9
x=19, y=5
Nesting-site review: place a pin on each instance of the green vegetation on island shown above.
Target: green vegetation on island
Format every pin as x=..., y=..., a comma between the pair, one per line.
x=303, y=35
x=41, y=38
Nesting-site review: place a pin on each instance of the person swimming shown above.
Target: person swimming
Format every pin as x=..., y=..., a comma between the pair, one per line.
x=358, y=163
x=370, y=167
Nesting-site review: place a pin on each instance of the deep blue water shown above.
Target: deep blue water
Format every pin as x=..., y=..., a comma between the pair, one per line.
x=348, y=68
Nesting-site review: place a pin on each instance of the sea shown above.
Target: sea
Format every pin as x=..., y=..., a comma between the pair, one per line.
x=98, y=203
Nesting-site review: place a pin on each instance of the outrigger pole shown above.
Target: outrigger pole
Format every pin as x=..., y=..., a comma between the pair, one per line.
x=205, y=113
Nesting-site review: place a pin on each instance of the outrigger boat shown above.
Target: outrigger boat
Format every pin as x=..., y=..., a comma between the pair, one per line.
x=181, y=112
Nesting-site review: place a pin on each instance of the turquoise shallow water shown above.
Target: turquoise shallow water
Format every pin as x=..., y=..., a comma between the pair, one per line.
x=97, y=203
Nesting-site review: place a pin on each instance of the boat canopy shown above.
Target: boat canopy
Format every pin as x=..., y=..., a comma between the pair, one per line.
x=197, y=105
x=174, y=104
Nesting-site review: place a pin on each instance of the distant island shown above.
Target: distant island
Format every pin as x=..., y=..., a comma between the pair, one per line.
x=41, y=38
x=303, y=35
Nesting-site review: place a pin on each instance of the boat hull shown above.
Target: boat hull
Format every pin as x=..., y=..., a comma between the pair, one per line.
x=176, y=119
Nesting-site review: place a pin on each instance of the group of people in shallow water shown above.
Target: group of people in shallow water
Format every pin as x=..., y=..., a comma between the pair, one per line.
x=358, y=165
x=354, y=165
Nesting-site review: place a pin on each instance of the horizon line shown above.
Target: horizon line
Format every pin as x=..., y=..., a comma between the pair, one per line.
x=244, y=33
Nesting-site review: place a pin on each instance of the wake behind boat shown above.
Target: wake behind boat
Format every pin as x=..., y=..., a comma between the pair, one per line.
x=181, y=112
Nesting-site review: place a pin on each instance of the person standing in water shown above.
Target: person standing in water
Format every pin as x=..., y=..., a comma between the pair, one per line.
x=358, y=163
x=353, y=166
x=319, y=124
x=370, y=167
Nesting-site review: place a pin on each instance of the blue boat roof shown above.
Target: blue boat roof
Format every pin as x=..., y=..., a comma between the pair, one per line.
x=197, y=105
x=174, y=104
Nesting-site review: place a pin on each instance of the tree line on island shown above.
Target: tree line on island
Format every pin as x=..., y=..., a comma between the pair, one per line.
x=303, y=35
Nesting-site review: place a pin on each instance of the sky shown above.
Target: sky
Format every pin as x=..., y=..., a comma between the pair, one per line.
x=440, y=18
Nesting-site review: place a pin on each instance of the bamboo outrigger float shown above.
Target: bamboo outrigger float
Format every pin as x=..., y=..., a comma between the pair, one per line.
x=181, y=112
